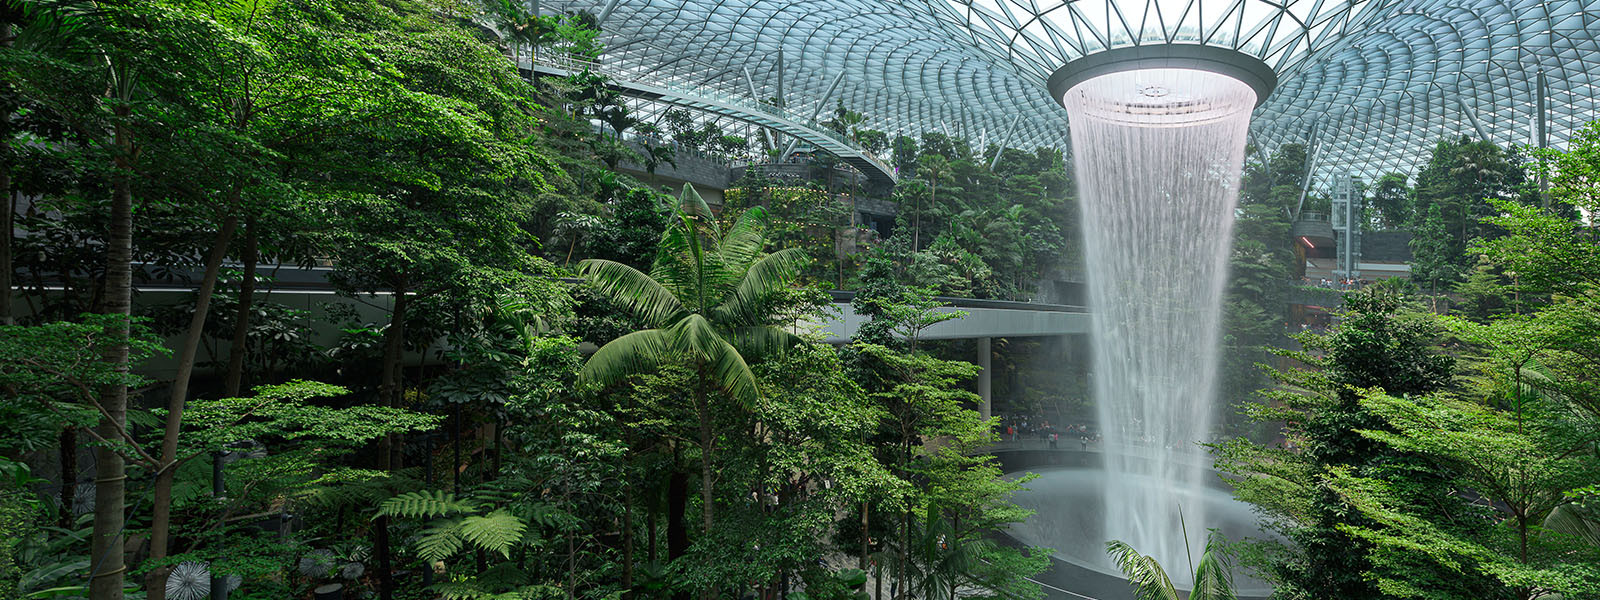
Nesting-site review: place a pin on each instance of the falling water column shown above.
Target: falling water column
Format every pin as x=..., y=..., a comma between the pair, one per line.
x=1158, y=154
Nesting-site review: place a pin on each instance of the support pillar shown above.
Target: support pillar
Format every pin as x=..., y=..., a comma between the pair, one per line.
x=606, y=12
x=782, y=101
x=1312, y=149
x=756, y=98
x=985, y=379
x=1542, y=125
x=1003, y=140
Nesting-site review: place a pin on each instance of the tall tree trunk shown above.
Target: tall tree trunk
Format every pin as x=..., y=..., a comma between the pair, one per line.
x=572, y=567
x=381, y=548
x=905, y=519
x=905, y=556
x=7, y=216
x=499, y=444
x=706, y=495
x=677, y=526
x=155, y=582
x=704, y=411
x=389, y=386
x=916, y=224
x=627, y=541
x=865, y=547
x=651, y=519
x=705, y=467
x=7, y=222
x=241, y=316
x=106, y=561
x=455, y=446
x=69, y=474
x=389, y=448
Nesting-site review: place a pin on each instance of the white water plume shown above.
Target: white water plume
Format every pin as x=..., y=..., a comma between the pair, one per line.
x=1158, y=154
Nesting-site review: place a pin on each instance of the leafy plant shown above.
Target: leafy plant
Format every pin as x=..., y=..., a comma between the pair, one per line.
x=1213, y=574
x=704, y=302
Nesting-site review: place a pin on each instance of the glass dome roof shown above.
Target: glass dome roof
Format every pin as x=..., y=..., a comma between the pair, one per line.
x=1381, y=80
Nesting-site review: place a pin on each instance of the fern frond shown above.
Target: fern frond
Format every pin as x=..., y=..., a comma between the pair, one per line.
x=424, y=503
x=504, y=575
x=745, y=240
x=548, y=515
x=440, y=541
x=460, y=590
x=496, y=532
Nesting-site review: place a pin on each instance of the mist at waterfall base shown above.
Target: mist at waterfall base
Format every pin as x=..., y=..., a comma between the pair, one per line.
x=1158, y=154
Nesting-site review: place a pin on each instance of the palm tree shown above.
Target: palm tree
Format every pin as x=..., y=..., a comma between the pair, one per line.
x=1213, y=577
x=935, y=168
x=940, y=561
x=60, y=37
x=705, y=302
x=1484, y=163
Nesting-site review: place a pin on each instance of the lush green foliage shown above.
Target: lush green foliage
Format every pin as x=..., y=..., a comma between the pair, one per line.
x=1446, y=457
x=433, y=430
x=1213, y=574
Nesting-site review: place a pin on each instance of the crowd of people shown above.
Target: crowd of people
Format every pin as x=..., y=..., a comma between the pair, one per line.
x=1337, y=283
x=1023, y=428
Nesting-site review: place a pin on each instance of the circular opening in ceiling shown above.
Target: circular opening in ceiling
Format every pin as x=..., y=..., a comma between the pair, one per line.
x=1160, y=97
x=1232, y=65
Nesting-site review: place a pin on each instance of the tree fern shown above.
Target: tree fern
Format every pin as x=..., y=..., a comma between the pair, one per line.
x=460, y=590
x=425, y=503
x=506, y=575
x=550, y=516
x=496, y=532
x=351, y=487
x=440, y=540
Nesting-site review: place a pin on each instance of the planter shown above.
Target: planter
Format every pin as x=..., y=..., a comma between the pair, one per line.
x=332, y=591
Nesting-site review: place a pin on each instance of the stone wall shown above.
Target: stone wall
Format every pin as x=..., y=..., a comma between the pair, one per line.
x=1386, y=246
x=703, y=171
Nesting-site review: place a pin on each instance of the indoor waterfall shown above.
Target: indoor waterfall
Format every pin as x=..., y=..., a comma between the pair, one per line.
x=1158, y=154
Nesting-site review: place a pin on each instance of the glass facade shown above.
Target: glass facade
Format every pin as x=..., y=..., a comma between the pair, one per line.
x=1380, y=81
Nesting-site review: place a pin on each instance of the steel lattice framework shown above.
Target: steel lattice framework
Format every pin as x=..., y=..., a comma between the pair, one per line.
x=1380, y=80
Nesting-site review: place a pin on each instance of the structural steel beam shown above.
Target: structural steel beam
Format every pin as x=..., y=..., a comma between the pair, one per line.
x=756, y=97
x=1312, y=149
x=1004, y=139
x=822, y=102
x=600, y=19
x=1543, y=131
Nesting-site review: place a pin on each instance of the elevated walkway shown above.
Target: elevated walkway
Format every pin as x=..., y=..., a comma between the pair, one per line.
x=682, y=92
x=985, y=319
x=306, y=288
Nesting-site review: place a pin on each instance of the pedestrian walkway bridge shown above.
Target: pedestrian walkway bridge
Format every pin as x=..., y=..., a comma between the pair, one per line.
x=984, y=319
x=683, y=91
x=309, y=288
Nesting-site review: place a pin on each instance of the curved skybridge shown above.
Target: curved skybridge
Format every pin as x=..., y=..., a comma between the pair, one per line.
x=688, y=92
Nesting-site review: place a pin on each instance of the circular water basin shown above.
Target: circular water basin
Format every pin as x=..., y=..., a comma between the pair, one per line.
x=1069, y=514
